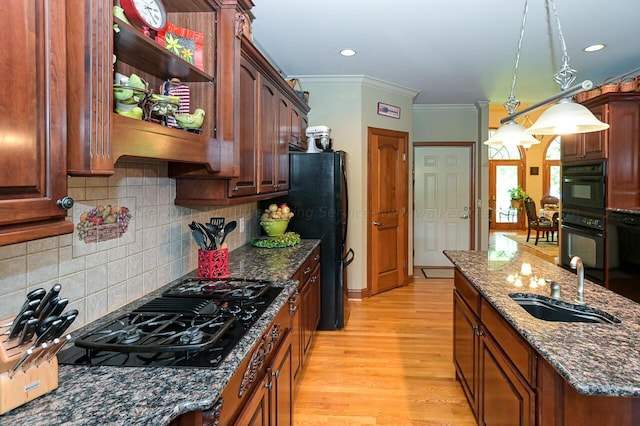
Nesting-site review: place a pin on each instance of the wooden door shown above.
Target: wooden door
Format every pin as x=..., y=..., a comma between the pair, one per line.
x=256, y=409
x=246, y=182
x=387, y=229
x=505, y=399
x=465, y=350
x=268, y=134
x=281, y=393
x=443, y=202
x=33, y=137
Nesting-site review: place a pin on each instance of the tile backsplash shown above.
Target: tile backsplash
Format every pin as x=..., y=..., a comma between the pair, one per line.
x=100, y=276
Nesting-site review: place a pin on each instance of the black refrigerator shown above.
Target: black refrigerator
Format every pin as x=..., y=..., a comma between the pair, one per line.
x=319, y=201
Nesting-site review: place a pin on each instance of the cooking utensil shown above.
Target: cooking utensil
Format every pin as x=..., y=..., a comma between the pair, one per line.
x=47, y=310
x=19, y=323
x=212, y=240
x=47, y=329
x=27, y=354
x=67, y=319
x=199, y=237
x=55, y=291
x=35, y=360
x=54, y=349
x=218, y=222
x=59, y=307
x=228, y=228
x=28, y=331
x=31, y=303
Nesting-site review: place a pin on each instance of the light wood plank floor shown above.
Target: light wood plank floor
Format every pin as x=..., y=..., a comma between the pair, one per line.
x=391, y=365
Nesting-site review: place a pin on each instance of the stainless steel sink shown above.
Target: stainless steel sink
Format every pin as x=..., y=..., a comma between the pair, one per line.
x=550, y=309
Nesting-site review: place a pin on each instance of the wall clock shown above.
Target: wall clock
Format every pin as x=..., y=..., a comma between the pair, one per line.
x=146, y=13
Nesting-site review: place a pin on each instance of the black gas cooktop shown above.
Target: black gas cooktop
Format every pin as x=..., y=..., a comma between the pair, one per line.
x=196, y=323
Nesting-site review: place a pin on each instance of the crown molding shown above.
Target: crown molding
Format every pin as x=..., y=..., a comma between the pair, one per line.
x=358, y=80
x=447, y=107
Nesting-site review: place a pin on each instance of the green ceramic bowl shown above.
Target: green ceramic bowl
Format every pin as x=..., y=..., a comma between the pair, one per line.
x=274, y=227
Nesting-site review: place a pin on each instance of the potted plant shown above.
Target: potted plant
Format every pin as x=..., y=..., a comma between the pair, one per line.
x=517, y=195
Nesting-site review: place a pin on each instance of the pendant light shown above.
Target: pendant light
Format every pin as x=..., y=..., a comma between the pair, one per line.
x=565, y=117
x=512, y=133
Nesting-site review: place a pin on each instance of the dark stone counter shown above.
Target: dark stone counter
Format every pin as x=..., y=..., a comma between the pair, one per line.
x=596, y=359
x=155, y=396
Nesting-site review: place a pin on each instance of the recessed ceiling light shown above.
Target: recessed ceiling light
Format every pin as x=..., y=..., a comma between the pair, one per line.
x=347, y=52
x=594, y=48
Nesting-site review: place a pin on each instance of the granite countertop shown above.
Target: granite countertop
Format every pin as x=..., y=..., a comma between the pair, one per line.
x=155, y=396
x=596, y=359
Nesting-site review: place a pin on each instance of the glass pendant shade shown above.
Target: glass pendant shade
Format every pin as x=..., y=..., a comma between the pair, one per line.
x=511, y=134
x=566, y=117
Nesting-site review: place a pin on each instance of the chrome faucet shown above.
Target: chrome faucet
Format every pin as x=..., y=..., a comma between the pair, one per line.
x=576, y=263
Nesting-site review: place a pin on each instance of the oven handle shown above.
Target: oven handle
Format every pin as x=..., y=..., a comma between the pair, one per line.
x=586, y=232
x=583, y=179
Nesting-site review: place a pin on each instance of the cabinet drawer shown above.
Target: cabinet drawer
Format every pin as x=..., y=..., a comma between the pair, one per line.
x=306, y=270
x=512, y=344
x=467, y=292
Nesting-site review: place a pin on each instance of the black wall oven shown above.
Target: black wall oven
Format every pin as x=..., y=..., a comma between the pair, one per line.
x=584, y=236
x=583, y=188
x=623, y=255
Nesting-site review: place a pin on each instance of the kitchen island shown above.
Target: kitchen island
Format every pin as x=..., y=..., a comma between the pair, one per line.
x=541, y=372
x=158, y=395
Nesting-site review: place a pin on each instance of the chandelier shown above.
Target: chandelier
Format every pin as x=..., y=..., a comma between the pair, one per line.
x=565, y=116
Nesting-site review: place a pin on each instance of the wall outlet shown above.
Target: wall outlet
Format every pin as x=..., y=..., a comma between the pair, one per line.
x=241, y=224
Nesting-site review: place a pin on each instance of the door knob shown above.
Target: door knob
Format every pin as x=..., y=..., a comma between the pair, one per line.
x=66, y=203
x=464, y=216
x=376, y=223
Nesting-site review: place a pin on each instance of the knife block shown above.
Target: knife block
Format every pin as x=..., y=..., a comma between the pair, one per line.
x=24, y=385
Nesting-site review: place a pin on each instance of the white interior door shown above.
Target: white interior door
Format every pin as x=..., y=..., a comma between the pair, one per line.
x=442, y=192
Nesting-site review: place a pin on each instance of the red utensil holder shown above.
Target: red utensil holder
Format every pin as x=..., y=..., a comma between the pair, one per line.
x=213, y=263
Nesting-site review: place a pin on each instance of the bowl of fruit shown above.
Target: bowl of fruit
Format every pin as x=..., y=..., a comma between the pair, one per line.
x=275, y=219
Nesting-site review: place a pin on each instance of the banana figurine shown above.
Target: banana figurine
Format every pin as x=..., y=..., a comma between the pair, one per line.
x=190, y=121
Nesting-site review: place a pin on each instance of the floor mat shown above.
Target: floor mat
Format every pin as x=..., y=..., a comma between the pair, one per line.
x=437, y=272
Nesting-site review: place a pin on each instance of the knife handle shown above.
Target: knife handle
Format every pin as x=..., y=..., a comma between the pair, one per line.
x=55, y=290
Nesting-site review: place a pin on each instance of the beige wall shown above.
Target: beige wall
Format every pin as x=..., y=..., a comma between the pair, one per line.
x=156, y=249
x=348, y=105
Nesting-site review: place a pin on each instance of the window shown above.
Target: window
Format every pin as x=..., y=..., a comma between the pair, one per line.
x=551, y=164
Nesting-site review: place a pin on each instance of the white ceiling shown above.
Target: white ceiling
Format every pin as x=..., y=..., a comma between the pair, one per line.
x=450, y=51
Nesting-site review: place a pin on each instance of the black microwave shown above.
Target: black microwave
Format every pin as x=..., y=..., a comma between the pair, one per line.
x=584, y=187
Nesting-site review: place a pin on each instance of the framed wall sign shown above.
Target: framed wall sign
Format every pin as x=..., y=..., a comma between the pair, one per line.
x=388, y=110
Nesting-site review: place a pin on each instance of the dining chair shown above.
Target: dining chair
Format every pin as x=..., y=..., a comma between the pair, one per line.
x=540, y=225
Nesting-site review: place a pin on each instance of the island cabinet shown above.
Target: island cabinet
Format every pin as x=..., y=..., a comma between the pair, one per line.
x=619, y=146
x=33, y=135
x=494, y=365
x=271, y=119
x=100, y=44
x=507, y=382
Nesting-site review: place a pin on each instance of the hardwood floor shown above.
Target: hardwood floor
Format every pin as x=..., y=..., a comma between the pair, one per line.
x=391, y=365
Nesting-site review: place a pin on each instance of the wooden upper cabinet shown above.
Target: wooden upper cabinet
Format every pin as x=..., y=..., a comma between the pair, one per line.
x=282, y=143
x=246, y=182
x=33, y=121
x=587, y=146
x=97, y=135
x=267, y=157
